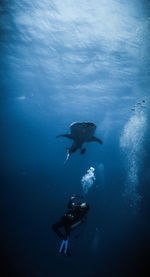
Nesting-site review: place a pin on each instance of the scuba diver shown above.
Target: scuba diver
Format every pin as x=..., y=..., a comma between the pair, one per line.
x=74, y=217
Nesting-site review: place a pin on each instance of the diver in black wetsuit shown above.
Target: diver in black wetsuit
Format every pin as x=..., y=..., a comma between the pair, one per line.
x=75, y=216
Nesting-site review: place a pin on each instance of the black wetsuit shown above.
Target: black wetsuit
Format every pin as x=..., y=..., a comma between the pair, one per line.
x=75, y=216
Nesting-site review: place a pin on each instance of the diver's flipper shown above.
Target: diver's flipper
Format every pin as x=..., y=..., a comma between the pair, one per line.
x=96, y=139
x=65, y=135
x=64, y=247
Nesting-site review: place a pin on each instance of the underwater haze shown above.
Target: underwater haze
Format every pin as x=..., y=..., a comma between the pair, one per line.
x=62, y=62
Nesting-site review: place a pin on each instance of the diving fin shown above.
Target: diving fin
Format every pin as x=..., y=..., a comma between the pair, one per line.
x=64, y=247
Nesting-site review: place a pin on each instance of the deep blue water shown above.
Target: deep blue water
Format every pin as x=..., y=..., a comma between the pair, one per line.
x=66, y=61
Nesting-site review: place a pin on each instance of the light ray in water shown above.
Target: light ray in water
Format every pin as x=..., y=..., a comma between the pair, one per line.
x=131, y=142
x=101, y=174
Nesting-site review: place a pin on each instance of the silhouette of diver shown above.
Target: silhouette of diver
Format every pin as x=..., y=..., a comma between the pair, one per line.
x=74, y=217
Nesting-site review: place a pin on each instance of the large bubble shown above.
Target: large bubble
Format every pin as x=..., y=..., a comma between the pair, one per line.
x=88, y=179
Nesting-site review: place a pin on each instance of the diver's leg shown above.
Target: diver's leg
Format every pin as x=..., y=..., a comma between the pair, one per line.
x=67, y=231
x=56, y=227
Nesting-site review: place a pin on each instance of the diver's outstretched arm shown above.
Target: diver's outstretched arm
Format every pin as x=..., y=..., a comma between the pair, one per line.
x=83, y=228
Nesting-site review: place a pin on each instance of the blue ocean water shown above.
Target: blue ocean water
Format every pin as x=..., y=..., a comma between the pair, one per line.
x=61, y=62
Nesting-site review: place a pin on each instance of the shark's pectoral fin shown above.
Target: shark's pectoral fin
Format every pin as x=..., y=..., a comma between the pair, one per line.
x=97, y=139
x=65, y=135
